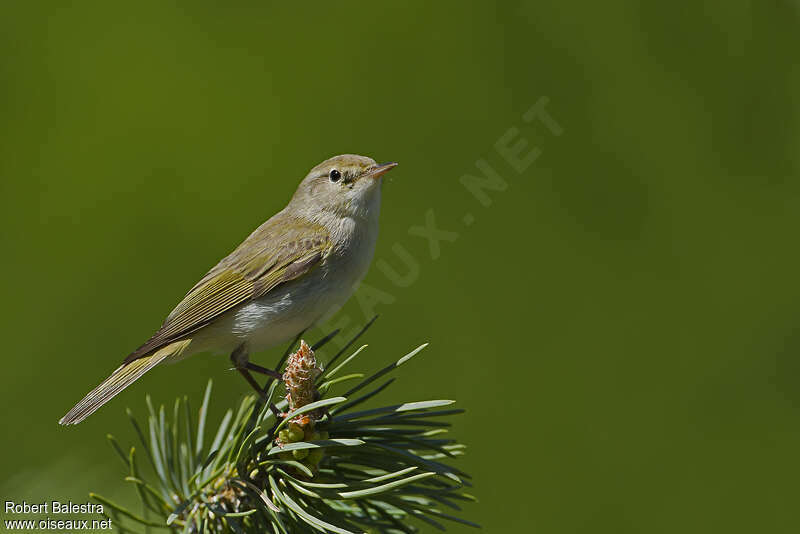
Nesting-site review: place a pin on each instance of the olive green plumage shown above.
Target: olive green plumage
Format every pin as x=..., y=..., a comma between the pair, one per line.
x=291, y=272
x=282, y=249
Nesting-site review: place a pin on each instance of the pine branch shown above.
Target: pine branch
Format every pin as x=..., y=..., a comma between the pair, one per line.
x=324, y=465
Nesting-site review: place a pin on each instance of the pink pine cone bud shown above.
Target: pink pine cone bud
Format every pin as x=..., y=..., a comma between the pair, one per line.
x=301, y=372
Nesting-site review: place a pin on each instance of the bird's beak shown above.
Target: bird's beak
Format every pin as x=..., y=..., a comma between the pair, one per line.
x=380, y=170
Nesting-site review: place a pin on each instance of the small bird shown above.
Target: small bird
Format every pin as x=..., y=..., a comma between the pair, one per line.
x=292, y=272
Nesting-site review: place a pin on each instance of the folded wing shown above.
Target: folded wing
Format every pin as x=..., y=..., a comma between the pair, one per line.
x=282, y=249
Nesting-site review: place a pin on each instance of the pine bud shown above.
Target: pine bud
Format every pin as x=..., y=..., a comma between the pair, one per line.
x=295, y=432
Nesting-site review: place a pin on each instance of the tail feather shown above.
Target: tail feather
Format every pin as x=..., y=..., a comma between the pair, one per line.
x=120, y=379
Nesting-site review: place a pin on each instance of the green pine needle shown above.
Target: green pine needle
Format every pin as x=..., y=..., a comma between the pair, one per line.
x=374, y=470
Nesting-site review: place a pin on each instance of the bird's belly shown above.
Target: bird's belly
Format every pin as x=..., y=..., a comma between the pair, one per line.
x=279, y=317
x=284, y=312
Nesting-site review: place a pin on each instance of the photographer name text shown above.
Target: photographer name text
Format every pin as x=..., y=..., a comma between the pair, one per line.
x=54, y=508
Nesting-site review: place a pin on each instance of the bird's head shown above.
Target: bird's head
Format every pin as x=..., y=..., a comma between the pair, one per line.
x=346, y=185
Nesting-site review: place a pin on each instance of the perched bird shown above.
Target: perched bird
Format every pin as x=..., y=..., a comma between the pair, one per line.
x=293, y=271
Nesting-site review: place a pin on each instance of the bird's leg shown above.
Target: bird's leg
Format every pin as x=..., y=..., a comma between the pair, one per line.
x=274, y=374
x=239, y=357
x=263, y=370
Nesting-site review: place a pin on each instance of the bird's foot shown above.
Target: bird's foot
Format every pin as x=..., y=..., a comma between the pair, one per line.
x=263, y=370
x=241, y=363
x=276, y=411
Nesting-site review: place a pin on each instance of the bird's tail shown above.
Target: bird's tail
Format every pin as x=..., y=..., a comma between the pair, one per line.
x=119, y=380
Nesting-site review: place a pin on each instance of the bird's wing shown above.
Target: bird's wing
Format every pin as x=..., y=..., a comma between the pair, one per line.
x=281, y=249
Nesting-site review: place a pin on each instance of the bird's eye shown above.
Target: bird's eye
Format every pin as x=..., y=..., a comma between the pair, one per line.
x=335, y=175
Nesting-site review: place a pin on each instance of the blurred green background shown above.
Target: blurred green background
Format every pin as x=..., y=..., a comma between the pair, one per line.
x=621, y=322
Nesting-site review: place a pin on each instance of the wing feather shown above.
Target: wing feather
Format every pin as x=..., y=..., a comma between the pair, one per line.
x=280, y=250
